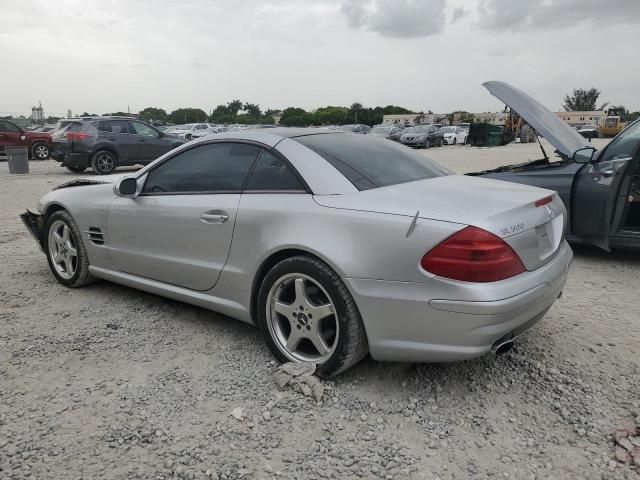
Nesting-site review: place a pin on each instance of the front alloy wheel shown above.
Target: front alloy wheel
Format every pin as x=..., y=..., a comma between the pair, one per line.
x=62, y=250
x=66, y=253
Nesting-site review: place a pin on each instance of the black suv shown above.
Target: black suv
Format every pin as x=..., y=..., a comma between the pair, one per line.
x=104, y=143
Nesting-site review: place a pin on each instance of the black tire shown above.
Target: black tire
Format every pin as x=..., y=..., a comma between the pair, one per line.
x=351, y=344
x=427, y=143
x=455, y=141
x=104, y=162
x=75, y=168
x=40, y=151
x=81, y=276
x=188, y=136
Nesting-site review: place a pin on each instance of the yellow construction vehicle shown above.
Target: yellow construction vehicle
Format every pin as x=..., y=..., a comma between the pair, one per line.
x=611, y=126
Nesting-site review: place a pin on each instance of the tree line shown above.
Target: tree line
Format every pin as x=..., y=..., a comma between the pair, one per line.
x=246, y=113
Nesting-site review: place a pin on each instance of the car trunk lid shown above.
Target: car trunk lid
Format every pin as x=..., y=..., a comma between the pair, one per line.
x=505, y=209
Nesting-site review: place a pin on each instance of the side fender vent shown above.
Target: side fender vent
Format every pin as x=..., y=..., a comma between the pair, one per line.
x=95, y=235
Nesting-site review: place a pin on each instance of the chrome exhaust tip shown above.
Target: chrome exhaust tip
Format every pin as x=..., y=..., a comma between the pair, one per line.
x=501, y=347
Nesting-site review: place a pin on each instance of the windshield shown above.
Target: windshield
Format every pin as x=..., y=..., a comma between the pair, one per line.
x=418, y=129
x=372, y=162
x=448, y=130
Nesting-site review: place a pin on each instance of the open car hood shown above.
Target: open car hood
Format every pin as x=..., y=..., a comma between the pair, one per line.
x=558, y=133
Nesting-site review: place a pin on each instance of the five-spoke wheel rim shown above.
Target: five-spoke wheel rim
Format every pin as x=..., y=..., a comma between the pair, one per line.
x=41, y=152
x=302, y=319
x=105, y=162
x=62, y=250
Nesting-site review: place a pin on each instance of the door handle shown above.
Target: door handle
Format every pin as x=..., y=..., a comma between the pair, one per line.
x=608, y=173
x=111, y=138
x=214, y=216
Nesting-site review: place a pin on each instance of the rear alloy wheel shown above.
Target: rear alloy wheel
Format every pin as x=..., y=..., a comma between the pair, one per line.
x=307, y=314
x=40, y=151
x=66, y=254
x=103, y=162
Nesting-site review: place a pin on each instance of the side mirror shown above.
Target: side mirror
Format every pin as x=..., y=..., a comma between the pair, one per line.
x=127, y=187
x=584, y=155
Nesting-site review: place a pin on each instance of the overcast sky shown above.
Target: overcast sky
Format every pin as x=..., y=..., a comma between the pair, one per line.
x=101, y=56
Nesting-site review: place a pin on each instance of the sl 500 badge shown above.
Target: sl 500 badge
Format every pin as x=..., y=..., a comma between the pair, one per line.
x=511, y=229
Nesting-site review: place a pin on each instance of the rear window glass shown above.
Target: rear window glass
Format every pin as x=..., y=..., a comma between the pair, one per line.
x=372, y=162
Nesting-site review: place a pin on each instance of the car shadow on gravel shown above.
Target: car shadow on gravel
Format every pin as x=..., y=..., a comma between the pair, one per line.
x=590, y=252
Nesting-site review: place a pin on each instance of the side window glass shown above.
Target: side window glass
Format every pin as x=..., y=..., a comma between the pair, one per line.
x=119, y=126
x=624, y=145
x=216, y=167
x=142, y=129
x=273, y=173
x=8, y=127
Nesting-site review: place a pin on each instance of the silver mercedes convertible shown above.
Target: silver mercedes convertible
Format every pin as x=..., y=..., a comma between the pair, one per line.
x=334, y=244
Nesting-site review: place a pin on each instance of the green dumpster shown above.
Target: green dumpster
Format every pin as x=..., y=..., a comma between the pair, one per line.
x=485, y=135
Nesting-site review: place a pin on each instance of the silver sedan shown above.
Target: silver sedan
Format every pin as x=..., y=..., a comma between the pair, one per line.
x=334, y=244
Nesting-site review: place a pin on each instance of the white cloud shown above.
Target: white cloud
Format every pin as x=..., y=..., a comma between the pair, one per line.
x=397, y=18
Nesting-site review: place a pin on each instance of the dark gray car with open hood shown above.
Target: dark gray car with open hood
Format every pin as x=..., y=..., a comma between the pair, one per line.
x=601, y=189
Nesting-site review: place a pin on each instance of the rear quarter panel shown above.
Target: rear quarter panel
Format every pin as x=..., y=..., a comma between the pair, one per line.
x=355, y=244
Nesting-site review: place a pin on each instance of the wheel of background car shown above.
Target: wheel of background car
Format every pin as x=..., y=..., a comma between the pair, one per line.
x=306, y=314
x=103, y=162
x=188, y=136
x=427, y=143
x=40, y=151
x=455, y=141
x=76, y=169
x=65, y=251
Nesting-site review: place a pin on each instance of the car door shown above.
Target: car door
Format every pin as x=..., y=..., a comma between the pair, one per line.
x=178, y=230
x=150, y=142
x=597, y=191
x=120, y=134
x=11, y=135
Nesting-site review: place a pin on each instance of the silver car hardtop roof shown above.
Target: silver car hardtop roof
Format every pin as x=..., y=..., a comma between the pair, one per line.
x=270, y=136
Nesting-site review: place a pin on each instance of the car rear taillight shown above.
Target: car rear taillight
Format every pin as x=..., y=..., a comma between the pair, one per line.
x=473, y=255
x=544, y=201
x=77, y=136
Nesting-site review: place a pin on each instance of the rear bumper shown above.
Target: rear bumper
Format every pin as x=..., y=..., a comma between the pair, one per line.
x=417, y=322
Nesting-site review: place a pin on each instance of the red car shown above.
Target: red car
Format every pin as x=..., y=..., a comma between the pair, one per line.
x=39, y=143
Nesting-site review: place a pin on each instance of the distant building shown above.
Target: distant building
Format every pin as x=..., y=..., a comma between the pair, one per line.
x=576, y=119
x=277, y=117
x=494, y=118
x=416, y=118
x=37, y=114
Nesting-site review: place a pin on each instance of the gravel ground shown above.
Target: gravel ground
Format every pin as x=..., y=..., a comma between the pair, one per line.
x=107, y=382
